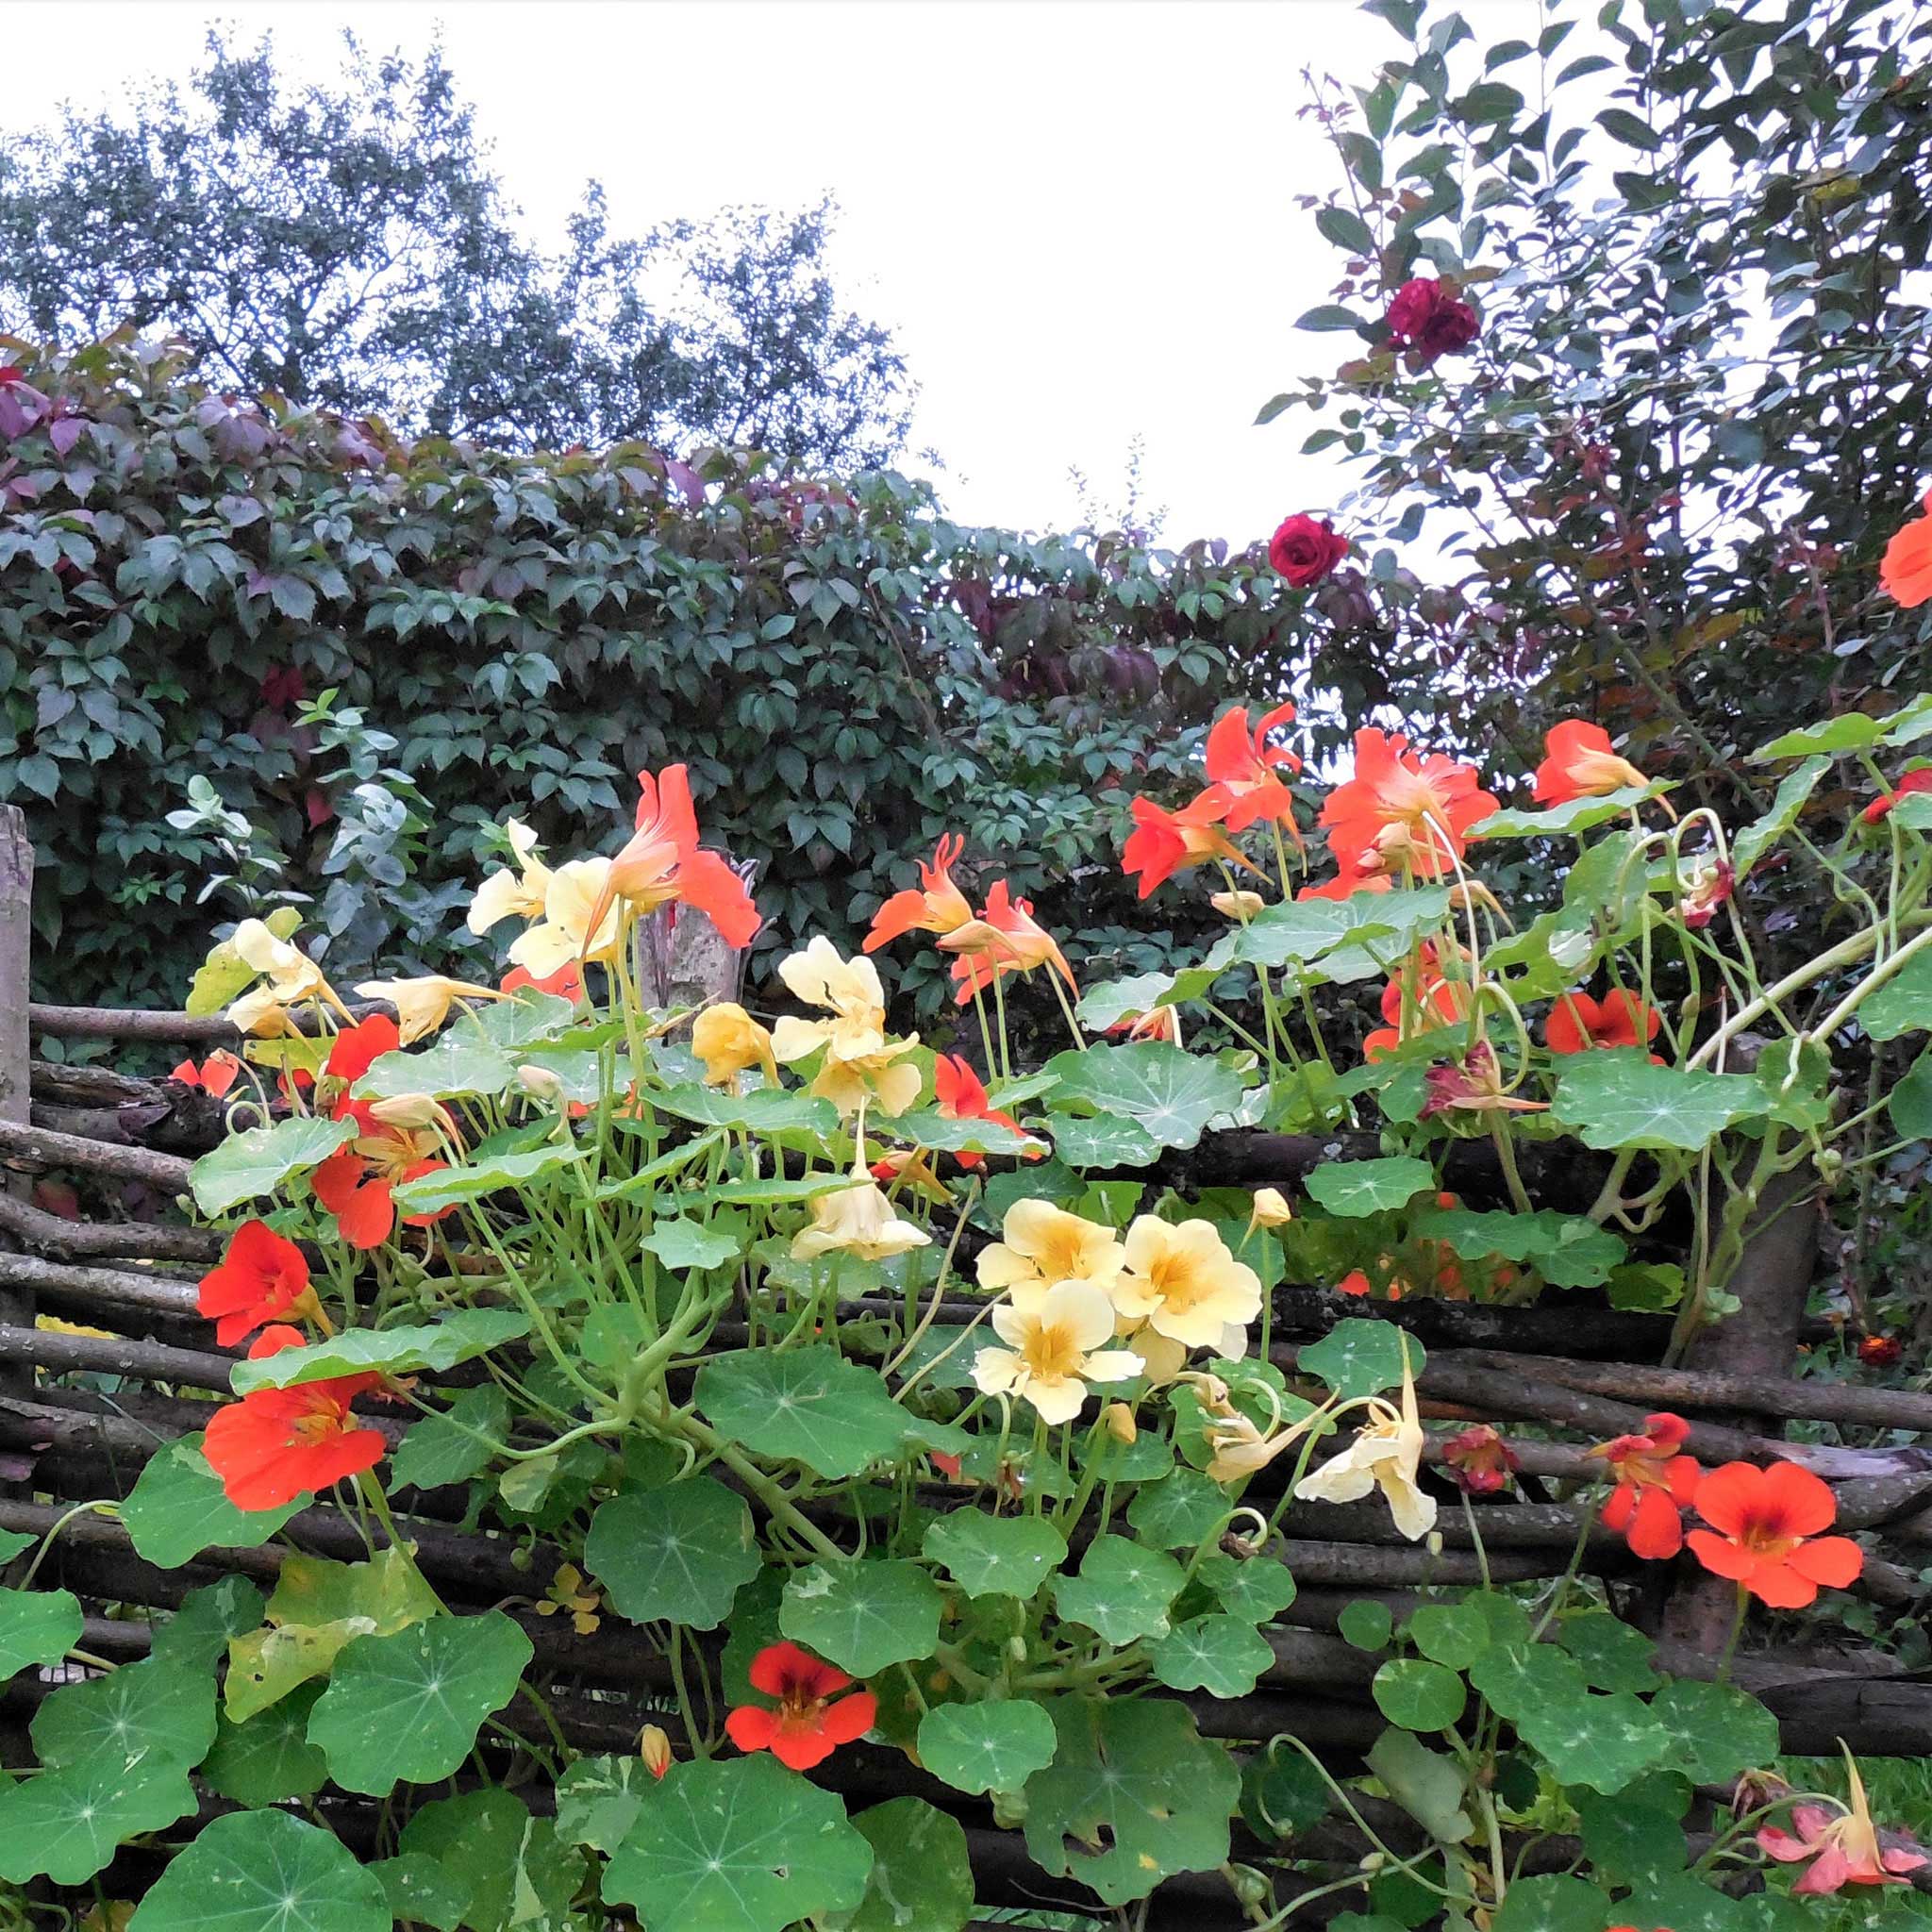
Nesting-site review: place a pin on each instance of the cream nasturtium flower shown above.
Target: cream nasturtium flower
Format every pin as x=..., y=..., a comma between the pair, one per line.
x=1385, y=1455
x=290, y=976
x=849, y=989
x=423, y=1004
x=503, y=892
x=729, y=1041
x=1242, y=906
x=1180, y=1280
x=848, y=1084
x=858, y=1220
x=565, y=935
x=1042, y=1243
x=1053, y=1336
x=1271, y=1209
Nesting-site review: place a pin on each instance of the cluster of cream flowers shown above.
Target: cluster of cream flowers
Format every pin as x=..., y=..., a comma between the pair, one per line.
x=1071, y=1286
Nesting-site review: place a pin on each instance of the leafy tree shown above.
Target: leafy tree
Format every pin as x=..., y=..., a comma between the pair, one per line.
x=347, y=243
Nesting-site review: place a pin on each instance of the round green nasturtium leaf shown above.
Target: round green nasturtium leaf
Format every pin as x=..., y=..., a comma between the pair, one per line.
x=1354, y=1187
x=1603, y=1741
x=597, y=1800
x=1282, y=1793
x=1148, y=1459
x=12, y=1542
x=268, y=1758
x=257, y=1163
x=407, y=1708
x=479, y=1838
x=1622, y=1100
x=1217, y=1653
x=1554, y=1904
x=263, y=1872
x=921, y=1879
x=1516, y=1680
x=1418, y=1695
x=459, y=1062
x=681, y=1553
x=1181, y=1513
x=986, y=1747
x=1256, y=1588
x=177, y=1508
x=1134, y=1795
x=37, y=1627
x=741, y=1846
x=420, y=1891
x=1451, y=1634
x=65, y=1825
x=1170, y=1094
x=804, y=1404
x=1122, y=1591
x=404, y=1351
x=1614, y=1656
x=1715, y=1731
x=1360, y=1358
x=1004, y=1555
x=862, y=1616
x=1637, y=1835
x=209, y=1620
x=445, y=1448
x=1103, y=1140
x=1366, y=1623
x=158, y=1712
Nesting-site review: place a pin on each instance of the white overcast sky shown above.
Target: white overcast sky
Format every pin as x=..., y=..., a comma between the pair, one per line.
x=1077, y=215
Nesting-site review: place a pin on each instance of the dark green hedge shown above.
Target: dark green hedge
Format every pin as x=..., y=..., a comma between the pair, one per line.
x=183, y=575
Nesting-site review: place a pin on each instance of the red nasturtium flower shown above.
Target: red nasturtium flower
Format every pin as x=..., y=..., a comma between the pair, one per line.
x=1905, y=572
x=1401, y=808
x=1164, y=842
x=811, y=1719
x=276, y=1444
x=1305, y=549
x=1577, y=1023
x=1425, y=316
x=1580, y=764
x=939, y=906
x=662, y=862
x=959, y=1094
x=261, y=1276
x=567, y=982
x=1004, y=939
x=1881, y=1351
x=214, y=1075
x=1479, y=1460
x=1764, y=1533
x=1655, y=1482
x=1880, y=808
x=354, y=1182
x=356, y=1048
x=1845, y=1848
x=1244, y=770
x=1436, y=1003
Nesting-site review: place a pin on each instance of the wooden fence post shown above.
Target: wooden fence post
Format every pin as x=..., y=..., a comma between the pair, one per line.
x=16, y=953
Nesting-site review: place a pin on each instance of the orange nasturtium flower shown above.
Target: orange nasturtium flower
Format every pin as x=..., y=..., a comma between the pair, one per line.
x=354, y=1184
x=1655, y=1482
x=275, y=1444
x=567, y=982
x=662, y=862
x=1157, y=1022
x=1845, y=1849
x=261, y=1277
x=1763, y=1534
x=1164, y=842
x=1580, y=764
x=214, y=1075
x=938, y=907
x=1402, y=810
x=1245, y=769
x=959, y=1094
x=356, y=1048
x=1577, y=1023
x=1004, y=939
x=1437, y=1003
x=811, y=1719
x=1919, y=780
x=1905, y=573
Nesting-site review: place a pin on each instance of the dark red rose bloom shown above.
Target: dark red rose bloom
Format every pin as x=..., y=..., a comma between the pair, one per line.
x=1305, y=549
x=1426, y=317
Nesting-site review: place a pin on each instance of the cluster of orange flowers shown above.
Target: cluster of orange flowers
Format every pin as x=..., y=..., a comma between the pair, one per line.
x=1763, y=1525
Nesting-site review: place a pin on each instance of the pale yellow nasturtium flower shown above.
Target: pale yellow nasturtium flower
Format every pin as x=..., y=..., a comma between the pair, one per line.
x=565, y=935
x=884, y=1077
x=1386, y=1455
x=729, y=1041
x=1053, y=1336
x=858, y=1220
x=567, y=1592
x=1120, y=1422
x=654, y=1747
x=423, y=1004
x=290, y=976
x=1271, y=1209
x=1041, y=1243
x=1242, y=1447
x=503, y=893
x=1238, y=905
x=1179, y=1279
x=415, y=1110
x=861, y=1065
